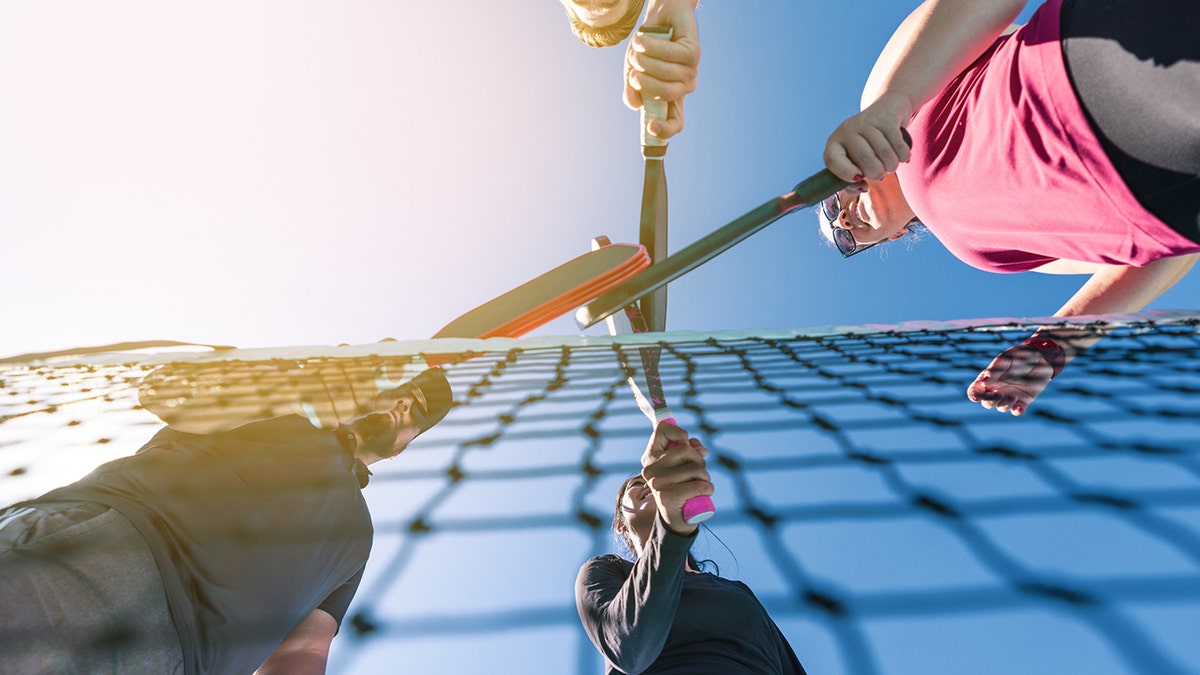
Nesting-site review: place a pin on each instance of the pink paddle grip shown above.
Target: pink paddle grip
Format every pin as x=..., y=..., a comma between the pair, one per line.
x=699, y=508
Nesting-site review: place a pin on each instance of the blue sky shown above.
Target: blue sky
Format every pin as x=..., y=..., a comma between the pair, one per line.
x=276, y=173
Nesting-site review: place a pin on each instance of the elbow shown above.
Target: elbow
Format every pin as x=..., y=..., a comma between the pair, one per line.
x=1186, y=263
x=1182, y=266
x=1170, y=271
x=1003, y=11
x=305, y=662
x=625, y=651
x=631, y=666
x=631, y=657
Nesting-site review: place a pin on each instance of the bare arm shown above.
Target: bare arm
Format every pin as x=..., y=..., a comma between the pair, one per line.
x=1069, y=267
x=933, y=45
x=305, y=650
x=1016, y=377
x=1121, y=288
x=1116, y=289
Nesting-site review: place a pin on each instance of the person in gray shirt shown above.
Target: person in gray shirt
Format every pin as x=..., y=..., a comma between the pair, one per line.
x=220, y=552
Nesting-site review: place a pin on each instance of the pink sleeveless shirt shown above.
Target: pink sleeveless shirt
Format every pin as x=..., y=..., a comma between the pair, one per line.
x=1008, y=175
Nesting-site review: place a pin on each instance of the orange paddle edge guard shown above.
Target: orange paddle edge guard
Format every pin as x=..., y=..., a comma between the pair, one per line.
x=547, y=296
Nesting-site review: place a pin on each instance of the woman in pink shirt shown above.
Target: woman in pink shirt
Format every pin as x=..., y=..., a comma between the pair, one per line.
x=1068, y=146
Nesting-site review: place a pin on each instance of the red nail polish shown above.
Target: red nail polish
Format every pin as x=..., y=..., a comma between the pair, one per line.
x=857, y=178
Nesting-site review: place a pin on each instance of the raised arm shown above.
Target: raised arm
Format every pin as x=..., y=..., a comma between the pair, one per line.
x=628, y=613
x=1019, y=374
x=933, y=45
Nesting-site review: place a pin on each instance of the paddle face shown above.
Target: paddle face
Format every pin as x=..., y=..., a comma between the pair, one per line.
x=550, y=295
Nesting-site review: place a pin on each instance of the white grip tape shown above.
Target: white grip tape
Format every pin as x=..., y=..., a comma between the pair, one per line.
x=654, y=109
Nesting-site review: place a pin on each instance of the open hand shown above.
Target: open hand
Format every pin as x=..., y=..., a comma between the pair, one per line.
x=1012, y=381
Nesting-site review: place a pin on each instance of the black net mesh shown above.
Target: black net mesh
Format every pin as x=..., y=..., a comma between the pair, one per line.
x=889, y=525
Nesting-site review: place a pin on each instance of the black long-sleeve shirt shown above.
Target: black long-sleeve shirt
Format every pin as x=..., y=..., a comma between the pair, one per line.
x=654, y=617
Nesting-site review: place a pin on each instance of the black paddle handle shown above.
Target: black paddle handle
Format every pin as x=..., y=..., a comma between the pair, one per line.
x=808, y=192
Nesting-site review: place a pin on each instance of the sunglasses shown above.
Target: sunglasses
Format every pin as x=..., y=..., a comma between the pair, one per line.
x=831, y=210
x=420, y=416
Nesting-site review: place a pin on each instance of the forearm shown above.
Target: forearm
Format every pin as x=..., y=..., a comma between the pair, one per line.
x=1116, y=289
x=305, y=650
x=653, y=5
x=1020, y=373
x=205, y=398
x=295, y=663
x=628, y=619
x=934, y=44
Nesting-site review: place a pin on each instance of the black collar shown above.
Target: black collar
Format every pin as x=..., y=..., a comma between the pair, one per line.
x=362, y=473
x=349, y=443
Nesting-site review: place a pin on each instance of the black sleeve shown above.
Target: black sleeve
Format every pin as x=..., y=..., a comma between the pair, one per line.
x=787, y=656
x=626, y=612
x=338, y=601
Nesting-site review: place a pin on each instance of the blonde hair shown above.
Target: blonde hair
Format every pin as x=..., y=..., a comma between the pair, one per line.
x=608, y=35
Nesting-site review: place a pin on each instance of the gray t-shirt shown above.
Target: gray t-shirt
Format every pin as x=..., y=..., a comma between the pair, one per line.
x=252, y=529
x=653, y=616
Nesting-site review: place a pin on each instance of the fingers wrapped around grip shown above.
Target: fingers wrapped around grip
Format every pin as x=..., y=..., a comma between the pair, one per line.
x=872, y=143
x=675, y=471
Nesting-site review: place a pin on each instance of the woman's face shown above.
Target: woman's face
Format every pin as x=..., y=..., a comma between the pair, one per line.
x=638, y=509
x=874, y=210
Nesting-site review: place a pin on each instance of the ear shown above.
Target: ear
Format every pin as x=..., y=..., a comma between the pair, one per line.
x=622, y=526
x=903, y=231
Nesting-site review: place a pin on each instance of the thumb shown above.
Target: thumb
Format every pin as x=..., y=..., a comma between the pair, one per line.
x=667, y=128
